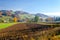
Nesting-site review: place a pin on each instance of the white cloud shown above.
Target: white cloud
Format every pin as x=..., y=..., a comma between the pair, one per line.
x=53, y=14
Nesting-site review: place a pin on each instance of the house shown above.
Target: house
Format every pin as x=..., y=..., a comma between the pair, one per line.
x=50, y=19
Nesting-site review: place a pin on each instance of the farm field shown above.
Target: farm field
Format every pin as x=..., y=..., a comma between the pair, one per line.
x=28, y=31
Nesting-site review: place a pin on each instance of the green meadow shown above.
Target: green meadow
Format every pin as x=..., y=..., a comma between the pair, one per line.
x=4, y=25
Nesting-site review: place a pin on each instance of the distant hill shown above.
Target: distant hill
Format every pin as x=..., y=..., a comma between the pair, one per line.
x=28, y=14
x=21, y=12
x=41, y=15
x=24, y=14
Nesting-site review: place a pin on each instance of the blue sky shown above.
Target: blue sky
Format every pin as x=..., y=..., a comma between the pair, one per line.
x=48, y=7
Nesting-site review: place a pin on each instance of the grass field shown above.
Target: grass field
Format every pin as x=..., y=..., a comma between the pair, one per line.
x=4, y=25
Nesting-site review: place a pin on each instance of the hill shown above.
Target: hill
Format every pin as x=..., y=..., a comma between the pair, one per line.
x=41, y=15
x=23, y=13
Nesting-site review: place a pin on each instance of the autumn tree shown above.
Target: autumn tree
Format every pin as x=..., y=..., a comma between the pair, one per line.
x=0, y=13
x=8, y=13
x=15, y=19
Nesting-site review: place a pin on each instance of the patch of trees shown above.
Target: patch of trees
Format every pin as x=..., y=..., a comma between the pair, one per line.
x=7, y=16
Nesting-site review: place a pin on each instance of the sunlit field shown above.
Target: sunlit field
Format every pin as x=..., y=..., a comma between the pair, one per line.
x=4, y=25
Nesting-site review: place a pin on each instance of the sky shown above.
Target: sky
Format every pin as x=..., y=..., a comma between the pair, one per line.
x=48, y=7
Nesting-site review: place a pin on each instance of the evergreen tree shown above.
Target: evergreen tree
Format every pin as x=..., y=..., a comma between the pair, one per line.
x=36, y=18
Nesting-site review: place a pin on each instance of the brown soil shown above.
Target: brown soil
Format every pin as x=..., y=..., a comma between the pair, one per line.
x=22, y=29
x=23, y=26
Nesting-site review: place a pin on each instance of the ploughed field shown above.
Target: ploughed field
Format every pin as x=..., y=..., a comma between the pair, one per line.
x=29, y=31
